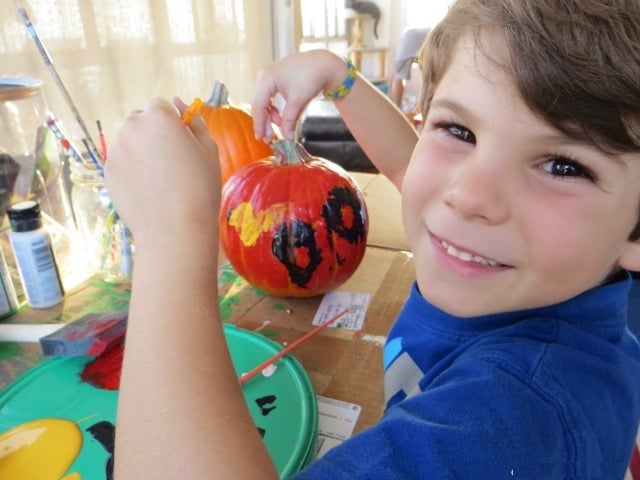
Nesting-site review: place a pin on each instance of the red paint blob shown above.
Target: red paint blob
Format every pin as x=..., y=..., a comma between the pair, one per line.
x=104, y=371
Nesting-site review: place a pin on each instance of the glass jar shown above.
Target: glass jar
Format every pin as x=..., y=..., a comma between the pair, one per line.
x=107, y=241
x=32, y=168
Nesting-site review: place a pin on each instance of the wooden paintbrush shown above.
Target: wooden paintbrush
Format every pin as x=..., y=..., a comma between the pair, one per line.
x=245, y=377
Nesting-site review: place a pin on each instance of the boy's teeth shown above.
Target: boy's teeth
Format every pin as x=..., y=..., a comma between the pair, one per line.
x=466, y=256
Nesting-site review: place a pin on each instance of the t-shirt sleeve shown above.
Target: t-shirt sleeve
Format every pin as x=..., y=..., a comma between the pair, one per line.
x=476, y=420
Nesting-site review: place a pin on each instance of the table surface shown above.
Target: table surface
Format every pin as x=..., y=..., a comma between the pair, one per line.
x=342, y=364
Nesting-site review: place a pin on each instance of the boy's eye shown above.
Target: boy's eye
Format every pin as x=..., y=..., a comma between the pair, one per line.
x=564, y=167
x=462, y=133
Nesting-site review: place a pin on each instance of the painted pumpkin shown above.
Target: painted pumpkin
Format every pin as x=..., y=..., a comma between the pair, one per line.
x=293, y=225
x=231, y=126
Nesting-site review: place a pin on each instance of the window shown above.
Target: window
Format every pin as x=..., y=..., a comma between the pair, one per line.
x=323, y=25
x=419, y=13
x=115, y=55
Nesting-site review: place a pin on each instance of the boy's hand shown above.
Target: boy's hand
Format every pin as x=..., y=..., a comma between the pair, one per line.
x=164, y=176
x=298, y=79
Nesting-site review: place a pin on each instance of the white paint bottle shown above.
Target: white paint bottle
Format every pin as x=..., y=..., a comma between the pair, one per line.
x=33, y=251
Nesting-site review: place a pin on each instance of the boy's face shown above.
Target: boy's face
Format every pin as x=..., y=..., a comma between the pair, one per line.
x=501, y=211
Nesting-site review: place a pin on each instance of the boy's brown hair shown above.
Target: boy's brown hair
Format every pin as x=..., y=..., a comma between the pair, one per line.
x=575, y=63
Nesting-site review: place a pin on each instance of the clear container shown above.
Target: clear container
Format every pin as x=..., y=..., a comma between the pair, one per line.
x=107, y=241
x=32, y=168
x=8, y=296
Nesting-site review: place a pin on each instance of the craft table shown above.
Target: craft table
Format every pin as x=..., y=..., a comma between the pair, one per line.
x=342, y=364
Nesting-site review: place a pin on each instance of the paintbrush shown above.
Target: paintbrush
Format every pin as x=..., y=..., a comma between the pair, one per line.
x=52, y=123
x=245, y=377
x=27, y=333
x=103, y=141
x=49, y=63
x=192, y=111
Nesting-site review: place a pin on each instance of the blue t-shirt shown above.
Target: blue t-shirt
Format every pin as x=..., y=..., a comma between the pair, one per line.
x=547, y=393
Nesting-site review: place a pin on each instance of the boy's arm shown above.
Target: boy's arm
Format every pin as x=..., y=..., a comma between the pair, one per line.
x=181, y=412
x=383, y=132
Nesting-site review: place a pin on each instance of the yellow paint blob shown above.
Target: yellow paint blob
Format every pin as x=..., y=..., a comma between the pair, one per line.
x=250, y=226
x=72, y=476
x=42, y=449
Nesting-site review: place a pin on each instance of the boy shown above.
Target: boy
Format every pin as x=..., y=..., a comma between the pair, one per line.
x=511, y=357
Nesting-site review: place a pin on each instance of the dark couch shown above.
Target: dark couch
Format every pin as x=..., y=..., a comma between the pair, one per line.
x=324, y=134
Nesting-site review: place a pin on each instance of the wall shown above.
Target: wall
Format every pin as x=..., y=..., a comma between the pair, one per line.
x=392, y=23
x=283, y=26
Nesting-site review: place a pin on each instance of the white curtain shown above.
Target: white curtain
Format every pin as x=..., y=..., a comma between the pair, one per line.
x=115, y=55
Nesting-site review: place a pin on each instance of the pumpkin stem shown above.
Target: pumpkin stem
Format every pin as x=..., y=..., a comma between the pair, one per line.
x=289, y=152
x=219, y=95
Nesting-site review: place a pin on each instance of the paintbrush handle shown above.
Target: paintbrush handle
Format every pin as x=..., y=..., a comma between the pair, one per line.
x=31, y=333
x=54, y=73
x=245, y=377
x=192, y=111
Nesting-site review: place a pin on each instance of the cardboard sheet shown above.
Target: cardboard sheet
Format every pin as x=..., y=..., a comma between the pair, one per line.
x=383, y=204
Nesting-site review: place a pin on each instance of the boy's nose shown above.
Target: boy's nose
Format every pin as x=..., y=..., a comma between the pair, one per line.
x=478, y=191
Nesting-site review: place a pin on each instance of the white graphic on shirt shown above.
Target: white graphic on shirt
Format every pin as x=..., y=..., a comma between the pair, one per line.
x=402, y=375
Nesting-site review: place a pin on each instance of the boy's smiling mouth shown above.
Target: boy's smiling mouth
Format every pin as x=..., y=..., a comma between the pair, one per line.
x=468, y=257
x=465, y=256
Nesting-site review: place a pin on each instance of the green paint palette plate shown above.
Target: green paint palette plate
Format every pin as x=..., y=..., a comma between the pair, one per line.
x=283, y=405
x=54, y=398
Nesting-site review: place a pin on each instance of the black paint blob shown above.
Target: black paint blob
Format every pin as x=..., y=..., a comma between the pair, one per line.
x=266, y=404
x=105, y=433
x=298, y=235
x=339, y=198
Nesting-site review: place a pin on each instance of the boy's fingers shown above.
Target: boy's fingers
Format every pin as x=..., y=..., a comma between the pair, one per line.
x=197, y=126
x=200, y=130
x=260, y=120
x=180, y=105
x=289, y=121
x=261, y=106
x=268, y=133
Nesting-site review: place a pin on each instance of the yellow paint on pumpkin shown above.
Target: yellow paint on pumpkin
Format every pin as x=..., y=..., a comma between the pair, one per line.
x=250, y=226
x=42, y=449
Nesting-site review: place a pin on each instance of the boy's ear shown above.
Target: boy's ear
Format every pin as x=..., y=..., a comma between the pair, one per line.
x=630, y=257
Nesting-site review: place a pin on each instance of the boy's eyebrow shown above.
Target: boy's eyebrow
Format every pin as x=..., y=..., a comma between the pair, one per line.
x=452, y=105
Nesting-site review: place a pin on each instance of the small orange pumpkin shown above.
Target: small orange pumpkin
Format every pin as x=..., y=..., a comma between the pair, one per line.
x=231, y=126
x=293, y=225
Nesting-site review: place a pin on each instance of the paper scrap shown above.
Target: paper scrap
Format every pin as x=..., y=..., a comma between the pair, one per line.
x=334, y=302
x=336, y=421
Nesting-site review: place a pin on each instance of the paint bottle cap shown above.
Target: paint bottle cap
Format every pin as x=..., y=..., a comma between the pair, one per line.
x=25, y=216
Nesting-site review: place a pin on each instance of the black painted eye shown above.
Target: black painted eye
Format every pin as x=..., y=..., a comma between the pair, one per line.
x=296, y=236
